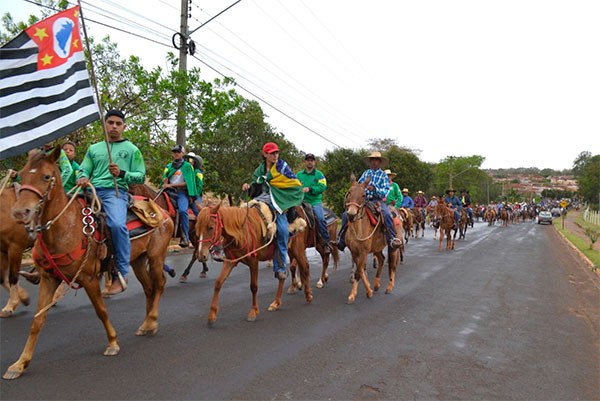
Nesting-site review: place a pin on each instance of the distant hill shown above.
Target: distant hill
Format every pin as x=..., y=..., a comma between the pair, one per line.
x=504, y=172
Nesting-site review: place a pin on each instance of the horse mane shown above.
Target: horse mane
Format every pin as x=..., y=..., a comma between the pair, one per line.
x=35, y=157
x=235, y=221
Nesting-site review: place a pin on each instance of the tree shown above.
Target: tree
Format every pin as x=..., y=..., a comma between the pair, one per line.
x=412, y=173
x=589, y=181
x=337, y=166
x=580, y=162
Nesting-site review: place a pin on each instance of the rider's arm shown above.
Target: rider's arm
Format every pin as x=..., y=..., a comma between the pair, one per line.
x=137, y=172
x=382, y=185
x=86, y=167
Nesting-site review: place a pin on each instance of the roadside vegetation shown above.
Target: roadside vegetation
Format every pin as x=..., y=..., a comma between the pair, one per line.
x=580, y=243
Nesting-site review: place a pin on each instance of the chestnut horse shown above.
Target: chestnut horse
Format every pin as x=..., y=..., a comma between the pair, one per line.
x=161, y=200
x=13, y=242
x=363, y=237
x=490, y=216
x=407, y=222
x=445, y=216
x=419, y=221
x=312, y=235
x=504, y=217
x=463, y=223
x=44, y=207
x=241, y=232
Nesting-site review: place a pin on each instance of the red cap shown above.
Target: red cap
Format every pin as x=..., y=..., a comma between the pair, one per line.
x=270, y=147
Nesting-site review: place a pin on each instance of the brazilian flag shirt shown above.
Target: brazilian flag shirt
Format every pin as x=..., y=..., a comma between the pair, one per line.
x=282, y=184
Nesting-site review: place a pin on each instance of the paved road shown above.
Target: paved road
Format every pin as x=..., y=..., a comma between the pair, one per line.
x=510, y=314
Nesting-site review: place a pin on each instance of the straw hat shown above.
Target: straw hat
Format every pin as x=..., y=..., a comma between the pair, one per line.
x=419, y=192
x=433, y=197
x=389, y=172
x=405, y=190
x=376, y=155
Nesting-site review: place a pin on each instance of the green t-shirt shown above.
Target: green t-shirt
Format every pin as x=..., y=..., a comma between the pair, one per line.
x=71, y=182
x=394, y=194
x=315, y=180
x=124, y=154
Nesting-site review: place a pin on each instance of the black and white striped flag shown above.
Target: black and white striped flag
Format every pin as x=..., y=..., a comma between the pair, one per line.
x=45, y=91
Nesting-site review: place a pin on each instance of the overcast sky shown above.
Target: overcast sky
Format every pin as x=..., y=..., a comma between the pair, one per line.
x=517, y=82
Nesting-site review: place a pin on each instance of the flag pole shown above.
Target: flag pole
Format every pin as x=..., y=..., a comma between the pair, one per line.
x=95, y=83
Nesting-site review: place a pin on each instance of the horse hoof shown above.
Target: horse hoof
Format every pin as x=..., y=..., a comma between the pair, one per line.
x=320, y=284
x=211, y=322
x=350, y=301
x=273, y=307
x=146, y=332
x=291, y=291
x=202, y=275
x=25, y=301
x=388, y=291
x=112, y=350
x=182, y=279
x=105, y=294
x=12, y=374
x=5, y=314
x=251, y=319
x=370, y=294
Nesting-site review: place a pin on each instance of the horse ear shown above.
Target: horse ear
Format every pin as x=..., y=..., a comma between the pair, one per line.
x=55, y=154
x=215, y=209
x=352, y=178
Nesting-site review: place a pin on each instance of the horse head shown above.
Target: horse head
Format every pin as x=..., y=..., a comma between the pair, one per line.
x=355, y=198
x=40, y=180
x=209, y=228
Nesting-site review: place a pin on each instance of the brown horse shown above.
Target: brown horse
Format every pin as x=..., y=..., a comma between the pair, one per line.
x=44, y=207
x=463, y=223
x=431, y=217
x=242, y=230
x=504, y=217
x=490, y=216
x=161, y=200
x=419, y=221
x=363, y=237
x=445, y=216
x=13, y=242
x=407, y=222
x=313, y=239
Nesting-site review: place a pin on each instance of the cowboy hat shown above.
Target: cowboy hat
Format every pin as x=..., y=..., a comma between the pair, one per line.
x=405, y=190
x=450, y=190
x=419, y=192
x=195, y=157
x=376, y=155
x=389, y=172
x=434, y=197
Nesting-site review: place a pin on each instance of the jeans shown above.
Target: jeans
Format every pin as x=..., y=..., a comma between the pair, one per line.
x=470, y=211
x=193, y=204
x=182, y=207
x=116, y=219
x=456, y=214
x=318, y=211
x=387, y=220
x=283, y=236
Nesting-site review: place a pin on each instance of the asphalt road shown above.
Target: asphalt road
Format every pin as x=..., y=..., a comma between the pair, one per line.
x=510, y=314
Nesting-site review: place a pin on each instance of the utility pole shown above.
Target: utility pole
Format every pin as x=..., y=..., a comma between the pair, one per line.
x=450, y=160
x=183, y=37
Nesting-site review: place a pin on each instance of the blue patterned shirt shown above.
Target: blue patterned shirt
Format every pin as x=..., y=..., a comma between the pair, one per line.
x=380, y=182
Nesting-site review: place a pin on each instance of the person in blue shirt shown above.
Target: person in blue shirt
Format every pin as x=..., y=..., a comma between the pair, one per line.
x=454, y=203
x=407, y=201
x=376, y=191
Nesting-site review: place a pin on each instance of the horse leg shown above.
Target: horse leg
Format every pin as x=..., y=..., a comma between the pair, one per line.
x=11, y=263
x=185, y=273
x=92, y=288
x=453, y=240
x=324, y=265
x=153, y=283
x=214, y=305
x=364, y=278
x=380, y=262
x=296, y=283
x=47, y=287
x=304, y=274
x=107, y=284
x=392, y=263
x=254, y=288
x=441, y=239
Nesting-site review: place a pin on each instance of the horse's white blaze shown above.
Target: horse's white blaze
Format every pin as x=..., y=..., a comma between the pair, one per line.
x=33, y=170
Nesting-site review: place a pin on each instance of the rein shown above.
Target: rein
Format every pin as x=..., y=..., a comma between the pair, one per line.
x=361, y=208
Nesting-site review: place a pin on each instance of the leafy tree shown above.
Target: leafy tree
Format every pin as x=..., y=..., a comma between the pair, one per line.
x=580, y=162
x=337, y=166
x=412, y=173
x=589, y=181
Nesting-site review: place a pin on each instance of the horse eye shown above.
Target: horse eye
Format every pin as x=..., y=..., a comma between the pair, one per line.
x=47, y=177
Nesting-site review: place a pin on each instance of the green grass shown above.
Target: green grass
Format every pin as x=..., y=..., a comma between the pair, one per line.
x=582, y=244
x=584, y=224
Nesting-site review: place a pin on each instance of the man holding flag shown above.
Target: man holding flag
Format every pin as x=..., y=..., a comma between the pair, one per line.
x=127, y=167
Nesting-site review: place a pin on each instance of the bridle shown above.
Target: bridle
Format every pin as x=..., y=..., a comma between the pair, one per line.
x=34, y=227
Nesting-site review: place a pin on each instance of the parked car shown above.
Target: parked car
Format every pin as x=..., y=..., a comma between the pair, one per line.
x=544, y=217
x=556, y=212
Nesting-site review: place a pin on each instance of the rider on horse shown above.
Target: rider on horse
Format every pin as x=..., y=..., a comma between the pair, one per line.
x=69, y=149
x=196, y=162
x=376, y=191
x=314, y=184
x=394, y=196
x=421, y=202
x=282, y=190
x=180, y=176
x=466, y=202
x=454, y=203
x=407, y=201
x=127, y=168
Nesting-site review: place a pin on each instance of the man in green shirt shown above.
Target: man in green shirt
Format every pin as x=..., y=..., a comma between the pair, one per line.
x=394, y=196
x=180, y=177
x=127, y=167
x=69, y=149
x=313, y=185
